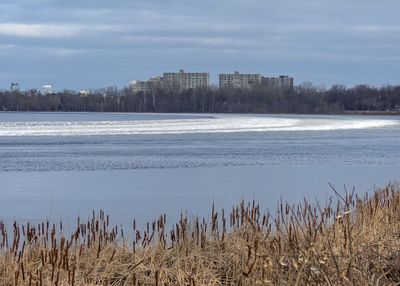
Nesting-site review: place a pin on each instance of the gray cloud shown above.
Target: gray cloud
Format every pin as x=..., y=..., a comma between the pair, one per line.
x=76, y=44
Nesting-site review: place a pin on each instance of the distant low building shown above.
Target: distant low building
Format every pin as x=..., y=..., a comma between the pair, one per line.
x=186, y=80
x=146, y=86
x=138, y=86
x=14, y=87
x=281, y=82
x=238, y=80
x=47, y=89
x=84, y=93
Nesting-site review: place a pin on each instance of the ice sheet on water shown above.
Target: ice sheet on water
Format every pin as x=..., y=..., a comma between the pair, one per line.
x=219, y=124
x=190, y=142
x=161, y=159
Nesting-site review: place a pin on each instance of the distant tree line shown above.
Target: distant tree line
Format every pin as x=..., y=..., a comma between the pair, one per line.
x=302, y=99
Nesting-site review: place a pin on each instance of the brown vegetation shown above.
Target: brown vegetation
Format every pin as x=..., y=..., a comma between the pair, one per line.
x=349, y=241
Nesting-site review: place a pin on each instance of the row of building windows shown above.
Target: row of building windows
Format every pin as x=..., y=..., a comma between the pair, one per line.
x=238, y=80
x=185, y=80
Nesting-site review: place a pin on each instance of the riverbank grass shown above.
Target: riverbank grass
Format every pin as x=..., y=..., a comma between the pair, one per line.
x=351, y=240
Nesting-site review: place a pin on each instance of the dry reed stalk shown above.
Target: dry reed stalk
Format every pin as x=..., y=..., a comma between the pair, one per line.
x=355, y=242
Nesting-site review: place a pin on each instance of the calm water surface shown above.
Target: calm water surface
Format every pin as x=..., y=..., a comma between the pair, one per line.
x=60, y=165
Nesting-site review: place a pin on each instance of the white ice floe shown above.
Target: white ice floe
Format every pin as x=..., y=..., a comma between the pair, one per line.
x=219, y=124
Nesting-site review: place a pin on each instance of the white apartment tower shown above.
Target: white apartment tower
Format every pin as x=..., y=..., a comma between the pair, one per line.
x=281, y=82
x=14, y=87
x=238, y=80
x=186, y=80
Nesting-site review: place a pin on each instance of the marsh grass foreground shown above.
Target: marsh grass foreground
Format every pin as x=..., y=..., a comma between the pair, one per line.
x=351, y=240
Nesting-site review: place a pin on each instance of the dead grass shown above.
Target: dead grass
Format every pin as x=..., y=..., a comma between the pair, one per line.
x=349, y=241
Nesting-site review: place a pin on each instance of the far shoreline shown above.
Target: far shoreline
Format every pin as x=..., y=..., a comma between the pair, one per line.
x=344, y=112
x=372, y=112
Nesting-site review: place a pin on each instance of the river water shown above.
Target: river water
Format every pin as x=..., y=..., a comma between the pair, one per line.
x=61, y=165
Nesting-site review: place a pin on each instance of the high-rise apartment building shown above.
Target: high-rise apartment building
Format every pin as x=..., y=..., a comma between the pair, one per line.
x=186, y=80
x=14, y=87
x=238, y=80
x=281, y=82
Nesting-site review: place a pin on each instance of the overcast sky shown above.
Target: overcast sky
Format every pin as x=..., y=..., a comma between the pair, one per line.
x=96, y=43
